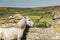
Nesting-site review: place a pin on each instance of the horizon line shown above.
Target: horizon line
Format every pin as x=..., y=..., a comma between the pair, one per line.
x=28, y=7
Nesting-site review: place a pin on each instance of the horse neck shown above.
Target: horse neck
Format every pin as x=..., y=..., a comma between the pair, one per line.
x=21, y=24
x=20, y=21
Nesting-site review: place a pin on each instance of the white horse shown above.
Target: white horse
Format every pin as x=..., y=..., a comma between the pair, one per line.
x=17, y=31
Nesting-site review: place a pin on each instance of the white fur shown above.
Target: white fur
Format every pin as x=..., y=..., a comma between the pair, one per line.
x=15, y=32
x=12, y=33
x=1, y=31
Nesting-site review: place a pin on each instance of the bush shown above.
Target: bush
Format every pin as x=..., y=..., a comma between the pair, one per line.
x=41, y=24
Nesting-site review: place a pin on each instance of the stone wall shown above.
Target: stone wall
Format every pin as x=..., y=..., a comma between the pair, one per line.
x=42, y=34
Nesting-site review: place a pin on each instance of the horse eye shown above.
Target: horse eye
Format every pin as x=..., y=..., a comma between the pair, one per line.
x=29, y=20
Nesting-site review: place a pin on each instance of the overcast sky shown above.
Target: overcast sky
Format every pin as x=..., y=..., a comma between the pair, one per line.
x=28, y=3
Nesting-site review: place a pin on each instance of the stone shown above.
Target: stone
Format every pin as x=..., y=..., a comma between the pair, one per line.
x=42, y=34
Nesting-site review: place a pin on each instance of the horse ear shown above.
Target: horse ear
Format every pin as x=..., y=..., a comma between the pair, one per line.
x=25, y=17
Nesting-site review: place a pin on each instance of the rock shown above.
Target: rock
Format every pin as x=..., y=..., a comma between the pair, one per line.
x=56, y=17
x=40, y=34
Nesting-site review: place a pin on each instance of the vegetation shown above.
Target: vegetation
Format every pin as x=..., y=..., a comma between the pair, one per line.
x=44, y=21
x=34, y=13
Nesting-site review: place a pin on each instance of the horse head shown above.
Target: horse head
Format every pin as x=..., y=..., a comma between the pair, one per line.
x=29, y=21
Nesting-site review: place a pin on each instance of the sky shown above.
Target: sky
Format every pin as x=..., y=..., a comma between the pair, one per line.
x=28, y=3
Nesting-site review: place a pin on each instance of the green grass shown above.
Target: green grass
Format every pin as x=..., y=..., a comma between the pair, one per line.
x=4, y=16
x=34, y=16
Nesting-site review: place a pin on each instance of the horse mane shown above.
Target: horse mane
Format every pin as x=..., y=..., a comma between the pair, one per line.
x=21, y=24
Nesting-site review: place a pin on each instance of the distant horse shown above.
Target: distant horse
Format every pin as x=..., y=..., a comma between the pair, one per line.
x=17, y=31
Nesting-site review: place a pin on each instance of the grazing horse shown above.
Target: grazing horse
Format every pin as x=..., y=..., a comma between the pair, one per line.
x=17, y=31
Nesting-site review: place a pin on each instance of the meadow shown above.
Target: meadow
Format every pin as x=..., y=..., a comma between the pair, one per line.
x=45, y=21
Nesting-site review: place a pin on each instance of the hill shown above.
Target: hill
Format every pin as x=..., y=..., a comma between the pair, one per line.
x=28, y=11
x=21, y=10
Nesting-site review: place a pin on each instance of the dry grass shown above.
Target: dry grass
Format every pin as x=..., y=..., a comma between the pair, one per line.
x=57, y=28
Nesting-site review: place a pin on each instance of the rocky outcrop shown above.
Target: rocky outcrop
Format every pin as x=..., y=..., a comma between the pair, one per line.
x=56, y=14
x=10, y=21
x=56, y=18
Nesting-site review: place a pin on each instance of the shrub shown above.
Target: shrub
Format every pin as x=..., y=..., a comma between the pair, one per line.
x=41, y=24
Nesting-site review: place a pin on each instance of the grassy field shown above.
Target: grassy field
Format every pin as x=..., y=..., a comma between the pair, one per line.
x=47, y=17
